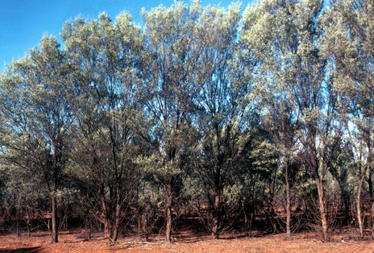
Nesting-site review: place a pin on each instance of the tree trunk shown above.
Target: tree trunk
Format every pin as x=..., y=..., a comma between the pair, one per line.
x=346, y=202
x=139, y=224
x=216, y=216
x=145, y=229
x=371, y=191
x=370, y=183
x=358, y=202
x=245, y=222
x=117, y=222
x=28, y=225
x=106, y=221
x=372, y=219
x=107, y=228
x=169, y=203
x=288, y=205
x=17, y=226
x=49, y=226
x=217, y=205
x=322, y=209
x=54, y=218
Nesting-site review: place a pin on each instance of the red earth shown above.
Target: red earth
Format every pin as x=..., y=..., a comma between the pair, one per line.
x=186, y=242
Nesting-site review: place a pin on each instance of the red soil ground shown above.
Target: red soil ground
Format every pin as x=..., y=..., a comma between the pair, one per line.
x=301, y=242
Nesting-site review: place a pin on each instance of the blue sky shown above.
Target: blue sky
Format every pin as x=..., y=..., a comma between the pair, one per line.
x=23, y=22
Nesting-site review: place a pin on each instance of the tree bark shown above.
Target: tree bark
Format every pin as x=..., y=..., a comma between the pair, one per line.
x=54, y=218
x=371, y=194
x=346, y=202
x=372, y=219
x=217, y=205
x=245, y=222
x=288, y=204
x=371, y=191
x=49, y=227
x=106, y=219
x=107, y=228
x=139, y=224
x=28, y=225
x=216, y=216
x=117, y=222
x=169, y=203
x=322, y=209
x=358, y=206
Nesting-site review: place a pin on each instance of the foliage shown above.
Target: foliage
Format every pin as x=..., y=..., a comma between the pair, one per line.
x=203, y=111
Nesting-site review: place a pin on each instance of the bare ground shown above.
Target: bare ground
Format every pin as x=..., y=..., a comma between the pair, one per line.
x=185, y=242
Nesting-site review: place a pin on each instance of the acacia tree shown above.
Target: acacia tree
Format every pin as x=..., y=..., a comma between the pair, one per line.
x=106, y=57
x=348, y=42
x=274, y=44
x=320, y=131
x=168, y=91
x=196, y=98
x=222, y=101
x=293, y=35
x=36, y=116
x=24, y=199
x=342, y=169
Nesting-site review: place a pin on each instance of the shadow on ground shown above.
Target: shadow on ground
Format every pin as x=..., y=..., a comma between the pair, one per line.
x=21, y=250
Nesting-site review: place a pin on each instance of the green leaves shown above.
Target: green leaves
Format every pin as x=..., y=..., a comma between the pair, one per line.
x=208, y=101
x=348, y=43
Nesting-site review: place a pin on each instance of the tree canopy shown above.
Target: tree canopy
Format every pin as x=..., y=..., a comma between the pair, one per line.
x=219, y=113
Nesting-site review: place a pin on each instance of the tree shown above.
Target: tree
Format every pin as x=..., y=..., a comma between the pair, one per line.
x=343, y=169
x=24, y=199
x=223, y=108
x=168, y=91
x=273, y=44
x=348, y=43
x=290, y=30
x=106, y=57
x=36, y=116
x=201, y=108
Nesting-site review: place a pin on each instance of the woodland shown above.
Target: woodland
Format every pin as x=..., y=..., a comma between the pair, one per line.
x=230, y=118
